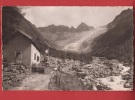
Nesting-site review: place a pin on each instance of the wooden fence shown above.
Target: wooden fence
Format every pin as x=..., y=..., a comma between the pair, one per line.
x=61, y=83
x=67, y=82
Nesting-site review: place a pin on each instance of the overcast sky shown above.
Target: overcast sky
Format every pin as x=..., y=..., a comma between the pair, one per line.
x=71, y=16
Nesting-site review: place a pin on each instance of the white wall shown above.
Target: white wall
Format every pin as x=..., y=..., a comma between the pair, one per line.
x=33, y=52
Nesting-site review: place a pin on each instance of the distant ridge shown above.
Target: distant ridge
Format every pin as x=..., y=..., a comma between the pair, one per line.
x=117, y=42
x=62, y=28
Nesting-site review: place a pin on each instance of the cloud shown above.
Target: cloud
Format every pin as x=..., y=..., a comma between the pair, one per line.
x=71, y=16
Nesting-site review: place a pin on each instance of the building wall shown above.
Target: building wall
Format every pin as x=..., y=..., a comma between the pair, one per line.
x=19, y=43
x=34, y=55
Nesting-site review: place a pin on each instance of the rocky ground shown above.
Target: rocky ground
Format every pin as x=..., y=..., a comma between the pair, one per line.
x=116, y=82
x=99, y=74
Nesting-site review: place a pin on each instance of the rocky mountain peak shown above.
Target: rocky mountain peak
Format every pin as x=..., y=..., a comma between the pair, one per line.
x=84, y=27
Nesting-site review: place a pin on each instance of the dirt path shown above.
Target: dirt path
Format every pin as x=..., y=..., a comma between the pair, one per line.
x=35, y=82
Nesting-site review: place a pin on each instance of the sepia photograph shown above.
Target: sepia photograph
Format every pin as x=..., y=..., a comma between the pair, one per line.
x=67, y=48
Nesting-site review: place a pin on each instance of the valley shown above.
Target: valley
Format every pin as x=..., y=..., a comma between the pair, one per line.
x=82, y=42
x=62, y=57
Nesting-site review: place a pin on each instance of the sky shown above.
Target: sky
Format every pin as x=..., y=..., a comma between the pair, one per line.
x=43, y=16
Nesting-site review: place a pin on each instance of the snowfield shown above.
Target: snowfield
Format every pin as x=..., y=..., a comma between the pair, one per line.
x=77, y=45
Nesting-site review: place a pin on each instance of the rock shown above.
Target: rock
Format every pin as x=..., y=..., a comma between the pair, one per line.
x=111, y=79
x=127, y=85
x=81, y=74
x=126, y=76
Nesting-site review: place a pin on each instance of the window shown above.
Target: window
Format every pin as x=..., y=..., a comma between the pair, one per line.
x=18, y=57
x=18, y=54
x=35, y=56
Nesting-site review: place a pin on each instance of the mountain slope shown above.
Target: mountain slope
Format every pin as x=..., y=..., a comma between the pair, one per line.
x=22, y=25
x=61, y=35
x=117, y=42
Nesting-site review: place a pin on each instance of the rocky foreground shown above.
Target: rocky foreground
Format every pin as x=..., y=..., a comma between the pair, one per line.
x=99, y=74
